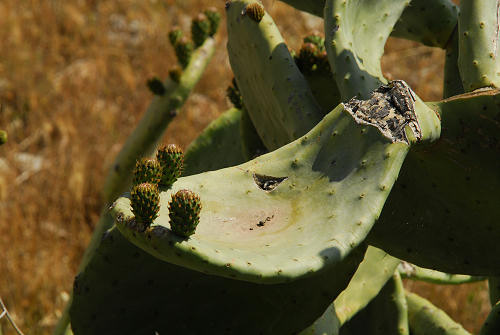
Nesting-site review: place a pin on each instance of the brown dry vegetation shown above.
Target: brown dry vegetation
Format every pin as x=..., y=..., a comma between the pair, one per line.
x=72, y=87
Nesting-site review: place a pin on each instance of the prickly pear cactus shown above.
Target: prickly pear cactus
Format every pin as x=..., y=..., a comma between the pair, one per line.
x=321, y=162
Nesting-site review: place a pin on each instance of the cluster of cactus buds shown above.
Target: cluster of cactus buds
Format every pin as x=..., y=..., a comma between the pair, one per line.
x=203, y=26
x=312, y=55
x=152, y=173
x=184, y=212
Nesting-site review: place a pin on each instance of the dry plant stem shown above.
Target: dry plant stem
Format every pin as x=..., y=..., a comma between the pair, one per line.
x=141, y=143
x=5, y=313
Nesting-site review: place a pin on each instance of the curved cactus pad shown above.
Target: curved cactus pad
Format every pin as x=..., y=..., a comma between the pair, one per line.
x=287, y=214
x=125, y=290
x=356, y=32
x=443, y=211
x=276, y=95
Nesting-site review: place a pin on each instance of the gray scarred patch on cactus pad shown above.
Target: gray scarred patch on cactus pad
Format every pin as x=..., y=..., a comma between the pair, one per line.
x=390, y=108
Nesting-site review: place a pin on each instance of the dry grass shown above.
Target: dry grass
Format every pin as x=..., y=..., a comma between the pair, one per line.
x=72, y=77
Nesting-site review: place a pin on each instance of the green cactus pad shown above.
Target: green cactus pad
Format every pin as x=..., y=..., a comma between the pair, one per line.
x=426, y=319
x=125, y=290
x=156, y=86
x=145, y=202
x=373, y=272
x=348, y=165
x=492, y=324
x=184, y=212
x=494, y=288
x=252, y=145
x=200, y=29
x=413, y=272
x=452, y=84
x=479, y=44
x=255, y=11
x=147, y=170
x=430, y=22
x=214, y=18
x=356, y=32
x=442, y=211
x=276, y=95
x=218, y=146
x=171, y=159
x=386, y=314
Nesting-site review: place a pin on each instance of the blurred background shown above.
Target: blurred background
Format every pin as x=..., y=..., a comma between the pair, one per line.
x=73, y=86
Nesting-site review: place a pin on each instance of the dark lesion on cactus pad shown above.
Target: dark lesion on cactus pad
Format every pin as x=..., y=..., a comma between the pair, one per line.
x=267, y=183
x=390, y=108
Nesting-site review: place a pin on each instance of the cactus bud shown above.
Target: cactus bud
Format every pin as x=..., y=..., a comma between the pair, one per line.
x=214, y=18
x=184, y=212
x=174, y=36
x=234, y=95
x=200, y=29
x=3, y=137
x=316, y=39
x=183, y=50
x=255, y=11
x=147, y=170
x=307, y=57
x=156, y=86
x=145, y=201
x=175, y=74
x=171, y=159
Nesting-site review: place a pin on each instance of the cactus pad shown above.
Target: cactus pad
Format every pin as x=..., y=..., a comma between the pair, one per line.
x=145, y=202
x=184, y=212
x=276, y=95
x=356, y=32
x=442, y=212
x=147, y=170
x=349, y=166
